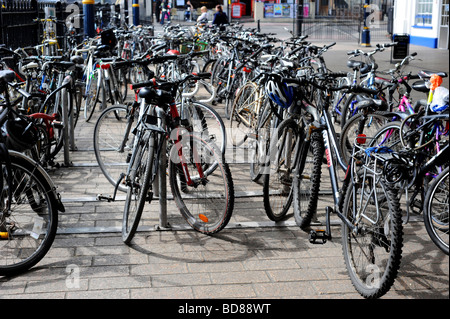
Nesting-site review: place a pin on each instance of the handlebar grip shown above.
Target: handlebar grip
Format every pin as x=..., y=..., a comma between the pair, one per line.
x=135, y=86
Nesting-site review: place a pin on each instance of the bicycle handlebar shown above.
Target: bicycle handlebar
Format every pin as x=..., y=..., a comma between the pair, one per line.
x=155, y=83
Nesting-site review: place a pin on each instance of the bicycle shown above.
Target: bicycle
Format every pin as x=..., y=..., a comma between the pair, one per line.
x=29, y=203
x=112, y=133
x=199, y=177
x=366, y=205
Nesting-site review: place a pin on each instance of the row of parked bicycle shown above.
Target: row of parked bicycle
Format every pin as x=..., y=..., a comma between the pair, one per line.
x=386, y=156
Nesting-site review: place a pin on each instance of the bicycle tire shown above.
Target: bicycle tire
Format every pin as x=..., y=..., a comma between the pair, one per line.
x=371, y=125
x=208, y=205
x=113, y=128
x=92, y=94
x=243, y=114
x=208, y=123
x=259, y=145
x=435, y=214
x=208, y=67
x=379, y=240
x=33, y=216
x=138, y=186
x=279, y=170
x=306, y=183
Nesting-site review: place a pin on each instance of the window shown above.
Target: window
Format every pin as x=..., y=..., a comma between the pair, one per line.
x=424, y=10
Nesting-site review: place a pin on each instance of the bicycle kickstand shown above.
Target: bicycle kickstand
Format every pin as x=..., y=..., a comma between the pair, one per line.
x=112, y=198
x=323, y=234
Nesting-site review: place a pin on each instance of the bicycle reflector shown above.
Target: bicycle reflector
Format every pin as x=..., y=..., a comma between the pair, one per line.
x=361, y=139
x=203, y=218
x=4, y=235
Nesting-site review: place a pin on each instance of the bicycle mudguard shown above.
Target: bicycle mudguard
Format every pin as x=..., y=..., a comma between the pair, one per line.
x=57, y=197
x=4, y=157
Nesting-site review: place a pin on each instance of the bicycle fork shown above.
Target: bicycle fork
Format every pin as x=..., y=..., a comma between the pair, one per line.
x=325, y=234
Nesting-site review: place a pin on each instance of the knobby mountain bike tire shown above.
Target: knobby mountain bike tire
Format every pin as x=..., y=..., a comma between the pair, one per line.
x=29, y=227
x=373, y=252
x=306, y=183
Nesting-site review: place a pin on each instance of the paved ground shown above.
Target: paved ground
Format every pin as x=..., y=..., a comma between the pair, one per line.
x=252, y=258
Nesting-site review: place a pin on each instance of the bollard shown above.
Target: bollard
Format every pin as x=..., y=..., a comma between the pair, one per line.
x=365, y=34
x=65, y=120
x=88, y=10
x=135, y=12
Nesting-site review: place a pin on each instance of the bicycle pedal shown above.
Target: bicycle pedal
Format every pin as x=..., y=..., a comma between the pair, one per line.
x=318, y=236
x=107, y=198
x=149, y=197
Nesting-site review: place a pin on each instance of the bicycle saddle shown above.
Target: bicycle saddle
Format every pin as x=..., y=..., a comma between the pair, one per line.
x=374, y=104
x=63, y=65
x=7, y=76
x=427, y=74
x=420, y=86
x=77, y=59
x=354, y=65
x=155, y=96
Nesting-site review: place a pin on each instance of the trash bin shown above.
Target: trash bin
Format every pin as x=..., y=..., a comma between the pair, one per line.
x=401, y=50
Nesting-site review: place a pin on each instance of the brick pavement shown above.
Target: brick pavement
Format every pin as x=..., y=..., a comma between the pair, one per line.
x=252, y=258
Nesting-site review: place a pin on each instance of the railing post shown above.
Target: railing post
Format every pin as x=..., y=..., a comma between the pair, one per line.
x=135, y=12
x=88, y=11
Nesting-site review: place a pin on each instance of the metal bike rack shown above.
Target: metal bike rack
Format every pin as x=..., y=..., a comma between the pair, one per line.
x=69, y=139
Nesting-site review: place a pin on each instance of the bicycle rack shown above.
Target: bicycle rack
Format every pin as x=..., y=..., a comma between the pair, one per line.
x=69, y=140
x=160, y=187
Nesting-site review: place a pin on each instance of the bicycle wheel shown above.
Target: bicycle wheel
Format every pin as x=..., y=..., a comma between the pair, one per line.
x=243, y=114
x=28, y=228
x=306, y=184
x=113, y=142
x=278, y=174
x=260, y=144
x=138, y=184
x=360, y=124
x=206, y=204
x=389, y=136
x=206, y=121
x=92, y=94
x=372, y=252
x=436, y=210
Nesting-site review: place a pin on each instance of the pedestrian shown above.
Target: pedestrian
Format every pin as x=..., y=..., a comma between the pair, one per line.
x=165, y=11
x=220, y=18
x=158, y=10
x=189, y=11
x=202, y=18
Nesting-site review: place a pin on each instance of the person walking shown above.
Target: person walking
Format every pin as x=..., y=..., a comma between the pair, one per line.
x=220, y=18
x=203, y=19
x=158, y=10
x=165, y=11
x=189, y=10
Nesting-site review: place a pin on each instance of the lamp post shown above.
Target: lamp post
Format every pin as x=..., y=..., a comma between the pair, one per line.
x=299, y=18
